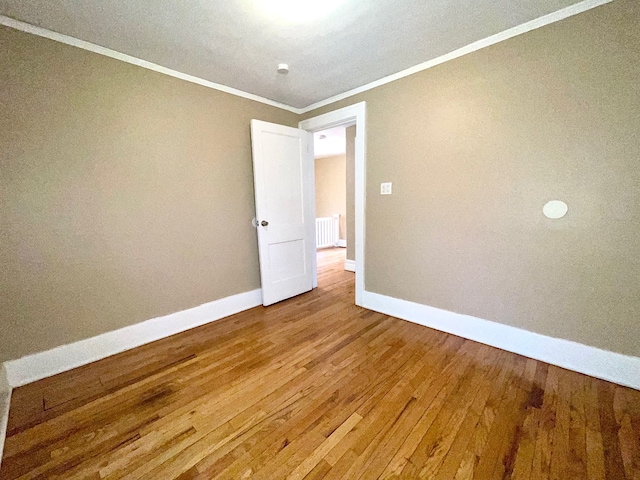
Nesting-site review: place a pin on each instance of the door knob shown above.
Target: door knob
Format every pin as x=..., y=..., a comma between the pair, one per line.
x=264, y=223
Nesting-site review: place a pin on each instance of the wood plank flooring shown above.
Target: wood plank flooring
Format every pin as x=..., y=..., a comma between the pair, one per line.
x=316, y=388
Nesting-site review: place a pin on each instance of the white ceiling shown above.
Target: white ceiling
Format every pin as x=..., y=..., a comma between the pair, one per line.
x=239, y=43
x=333, y=143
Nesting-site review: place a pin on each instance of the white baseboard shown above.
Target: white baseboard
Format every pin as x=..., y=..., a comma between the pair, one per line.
x=4, y=382
x=60, y=359
x=350, y=265
x=5, y=399
x=342, y=243
x=592, y=361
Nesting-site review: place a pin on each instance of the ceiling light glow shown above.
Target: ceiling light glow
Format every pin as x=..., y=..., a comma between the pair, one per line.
x=298, y=10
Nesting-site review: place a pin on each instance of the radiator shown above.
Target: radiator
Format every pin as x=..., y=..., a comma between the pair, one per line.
x=327, y=231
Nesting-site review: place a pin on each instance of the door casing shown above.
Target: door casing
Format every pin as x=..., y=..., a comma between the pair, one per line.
x=353, y=114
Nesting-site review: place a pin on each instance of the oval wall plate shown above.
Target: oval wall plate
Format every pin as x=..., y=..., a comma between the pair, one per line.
x=555, y=209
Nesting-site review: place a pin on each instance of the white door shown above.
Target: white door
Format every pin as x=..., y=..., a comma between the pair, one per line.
x=283, y=182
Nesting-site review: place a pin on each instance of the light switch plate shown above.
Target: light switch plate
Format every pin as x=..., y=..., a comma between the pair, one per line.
x=385, y=188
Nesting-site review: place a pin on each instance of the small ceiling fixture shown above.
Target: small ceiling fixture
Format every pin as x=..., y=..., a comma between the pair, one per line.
x=322, y=137
x=283, y=68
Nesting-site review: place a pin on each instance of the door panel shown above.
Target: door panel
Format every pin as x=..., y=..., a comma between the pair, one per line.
x=283, y=182
x=287, y=259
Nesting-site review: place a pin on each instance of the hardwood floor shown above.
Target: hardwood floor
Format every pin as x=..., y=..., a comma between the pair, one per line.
x=317, y=388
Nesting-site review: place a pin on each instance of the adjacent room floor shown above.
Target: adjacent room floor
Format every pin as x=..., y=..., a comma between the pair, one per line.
x=317, y=388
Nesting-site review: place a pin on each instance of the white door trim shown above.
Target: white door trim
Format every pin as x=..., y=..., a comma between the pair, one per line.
x=348, y=115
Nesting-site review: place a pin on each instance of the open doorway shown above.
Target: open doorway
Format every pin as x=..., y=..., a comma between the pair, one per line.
x=354, y=117
x=283, y=167
x=334, y=199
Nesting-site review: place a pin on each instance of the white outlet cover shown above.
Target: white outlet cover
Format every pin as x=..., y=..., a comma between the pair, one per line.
x=385, y=188
x=555, y=209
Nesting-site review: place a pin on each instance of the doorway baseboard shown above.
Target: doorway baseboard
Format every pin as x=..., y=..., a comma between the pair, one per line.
x=350, y=265
x=342, y=243
x=595, y=362
x=66, y=357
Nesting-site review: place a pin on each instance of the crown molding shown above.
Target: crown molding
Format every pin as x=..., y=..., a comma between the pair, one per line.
x=107, y=52
x=472, y=47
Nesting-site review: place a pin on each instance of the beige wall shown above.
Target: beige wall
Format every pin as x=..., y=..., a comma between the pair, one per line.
x=125, y=194
x=476, y=146
x=330, y=175
x=351, y=178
